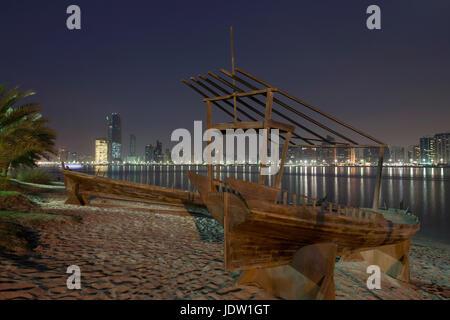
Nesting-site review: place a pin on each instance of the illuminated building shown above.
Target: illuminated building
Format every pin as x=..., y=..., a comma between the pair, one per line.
x=442, y=148
x=427, y=150
x=115, y=136
x=63, y=154
x=101, y=151
x=414, y=154
x=149, y=153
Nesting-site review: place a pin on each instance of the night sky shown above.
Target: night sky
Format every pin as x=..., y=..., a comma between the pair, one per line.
x=130, y=56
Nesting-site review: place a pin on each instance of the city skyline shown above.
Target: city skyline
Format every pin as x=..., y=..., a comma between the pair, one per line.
x=428, y=149
x=390, y=82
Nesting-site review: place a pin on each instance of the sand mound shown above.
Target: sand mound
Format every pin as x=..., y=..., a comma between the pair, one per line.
x=17, y=202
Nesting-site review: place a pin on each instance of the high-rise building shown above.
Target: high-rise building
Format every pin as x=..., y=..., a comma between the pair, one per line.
x=397, y=154
x=132, y=145
x=115, y=136
x=63, y=154
x=413, y=154
x=308, y=154
x=342, y=155
x=371, y=155
x=387, y=155
x=158, y=153
x=73, y=157
x=167, y=155
x=427, y=150
x=102, y=150
x=328, y=155
x=292, y=155
x=442, y=148
x=149, y=153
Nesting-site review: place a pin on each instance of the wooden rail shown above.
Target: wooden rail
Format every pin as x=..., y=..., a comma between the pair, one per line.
x=327, y=207
x=307, y=202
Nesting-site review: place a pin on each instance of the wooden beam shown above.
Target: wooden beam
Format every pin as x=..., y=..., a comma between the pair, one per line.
x=376, y=195
x=205, y=96
x=241, y=94
x=239, y=125
x=209, y=126
x=269, y=102
x=279, y=125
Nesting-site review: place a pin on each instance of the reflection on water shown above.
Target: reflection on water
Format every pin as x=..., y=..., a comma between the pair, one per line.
x=423, y=190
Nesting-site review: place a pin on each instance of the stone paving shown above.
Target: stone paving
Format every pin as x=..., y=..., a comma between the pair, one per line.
x=144, y=251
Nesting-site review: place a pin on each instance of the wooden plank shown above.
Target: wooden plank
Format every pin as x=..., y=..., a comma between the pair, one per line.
x=377, y=191
x=240, y=94
x=239, y=125
x=269, y=102
x=279, y=125
x=254, y=191
x=227, y=231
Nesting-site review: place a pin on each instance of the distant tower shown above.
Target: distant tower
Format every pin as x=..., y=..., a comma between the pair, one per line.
x=352, y=156
x=149, y=153
x=132, y=145
x=114, y=137
x=158, y=151
x=427, y=150
x=101, y=150
x=63, y=154
x=442, y=146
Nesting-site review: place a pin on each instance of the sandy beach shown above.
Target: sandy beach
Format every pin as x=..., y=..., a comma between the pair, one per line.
x=130, y=250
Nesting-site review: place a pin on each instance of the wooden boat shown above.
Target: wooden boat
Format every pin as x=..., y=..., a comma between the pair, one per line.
x=261, y=233
x=288, y=243
x=81, y=186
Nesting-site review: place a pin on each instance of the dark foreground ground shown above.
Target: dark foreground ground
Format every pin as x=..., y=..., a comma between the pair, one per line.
x=128, y=250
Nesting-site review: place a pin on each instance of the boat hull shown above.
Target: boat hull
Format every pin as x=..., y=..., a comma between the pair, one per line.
x=260, y=233
x=83, y=185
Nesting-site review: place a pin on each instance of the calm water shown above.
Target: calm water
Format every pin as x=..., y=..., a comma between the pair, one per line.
x=423, y=190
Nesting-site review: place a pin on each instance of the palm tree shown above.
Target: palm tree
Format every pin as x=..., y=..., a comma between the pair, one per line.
x=24, y=134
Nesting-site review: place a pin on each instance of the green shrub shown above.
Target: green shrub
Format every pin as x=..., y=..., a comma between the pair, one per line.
x=38, y=176
x=9, y=193
x=3, y=183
